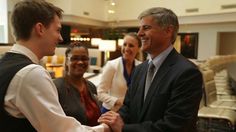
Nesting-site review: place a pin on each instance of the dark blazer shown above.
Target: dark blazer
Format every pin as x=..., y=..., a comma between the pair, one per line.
x=172, y=101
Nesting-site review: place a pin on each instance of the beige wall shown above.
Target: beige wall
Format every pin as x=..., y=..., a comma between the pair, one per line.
x=96, y=8
x=128, y=10
x=227, y=43
x=208, y=36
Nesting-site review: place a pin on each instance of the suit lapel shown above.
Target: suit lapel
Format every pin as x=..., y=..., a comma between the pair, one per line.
x=141, y=86
x=165, y=67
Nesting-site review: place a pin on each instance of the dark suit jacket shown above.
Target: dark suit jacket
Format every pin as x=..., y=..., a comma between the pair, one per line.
x=172, y=101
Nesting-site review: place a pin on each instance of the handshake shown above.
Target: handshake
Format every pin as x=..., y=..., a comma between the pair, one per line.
x=111, y=121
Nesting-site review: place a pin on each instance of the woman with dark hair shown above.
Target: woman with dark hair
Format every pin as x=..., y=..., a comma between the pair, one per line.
x=76, y=94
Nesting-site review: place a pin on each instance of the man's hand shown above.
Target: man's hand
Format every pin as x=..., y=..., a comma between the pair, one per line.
x=112, y=119
x=106, y=128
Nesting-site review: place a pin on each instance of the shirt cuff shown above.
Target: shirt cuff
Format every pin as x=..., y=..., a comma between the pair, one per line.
x=111, y=103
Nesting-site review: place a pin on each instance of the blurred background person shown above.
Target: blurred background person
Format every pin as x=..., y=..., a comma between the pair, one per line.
x=76, y=94
x=117, y=73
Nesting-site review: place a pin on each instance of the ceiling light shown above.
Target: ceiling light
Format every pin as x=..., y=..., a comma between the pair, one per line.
x=113, y=3
x=111, y=11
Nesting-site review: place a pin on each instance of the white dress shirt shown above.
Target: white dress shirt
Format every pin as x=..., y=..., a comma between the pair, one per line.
x=158, y=60
x=32, y=94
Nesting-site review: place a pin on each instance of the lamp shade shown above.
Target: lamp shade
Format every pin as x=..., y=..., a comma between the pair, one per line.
x=107, y=45
x=120, y=42
x=95, y=41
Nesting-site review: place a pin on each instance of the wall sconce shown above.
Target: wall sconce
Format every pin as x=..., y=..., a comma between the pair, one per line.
x=107, y=46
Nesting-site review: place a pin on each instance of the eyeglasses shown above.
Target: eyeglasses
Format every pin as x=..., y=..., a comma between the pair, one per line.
x=78, y=58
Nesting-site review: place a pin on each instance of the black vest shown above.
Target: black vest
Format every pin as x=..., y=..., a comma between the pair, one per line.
x=10, y=64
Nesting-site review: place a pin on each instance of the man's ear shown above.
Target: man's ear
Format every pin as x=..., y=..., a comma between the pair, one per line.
x=39, y=28
x=169, y=30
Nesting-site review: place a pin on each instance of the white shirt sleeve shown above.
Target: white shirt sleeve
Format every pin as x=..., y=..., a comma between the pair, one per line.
x=32, y=94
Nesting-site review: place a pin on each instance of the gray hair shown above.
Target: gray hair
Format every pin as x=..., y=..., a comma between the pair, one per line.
x=164, y=18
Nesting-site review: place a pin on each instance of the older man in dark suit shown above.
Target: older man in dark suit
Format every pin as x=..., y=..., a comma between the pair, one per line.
x=167, y=100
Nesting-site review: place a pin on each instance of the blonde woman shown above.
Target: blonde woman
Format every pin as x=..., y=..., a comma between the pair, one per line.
x=117, y=74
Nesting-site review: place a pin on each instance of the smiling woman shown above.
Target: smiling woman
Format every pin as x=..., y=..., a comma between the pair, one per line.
x=117, y=73
x=76, y=94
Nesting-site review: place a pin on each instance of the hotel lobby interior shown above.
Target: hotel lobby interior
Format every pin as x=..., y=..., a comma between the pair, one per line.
x=207, y=37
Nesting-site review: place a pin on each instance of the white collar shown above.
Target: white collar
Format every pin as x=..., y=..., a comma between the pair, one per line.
x=158, y=60
x=20, y=49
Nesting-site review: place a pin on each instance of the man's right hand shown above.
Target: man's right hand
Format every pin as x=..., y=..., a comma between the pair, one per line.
x=106, y=128
x=112, y=119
